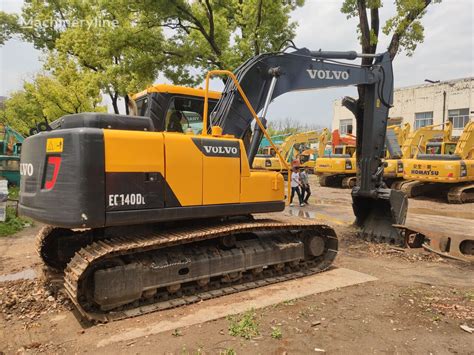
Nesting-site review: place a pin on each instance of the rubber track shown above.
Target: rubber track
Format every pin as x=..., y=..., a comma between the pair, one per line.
x=40, y=240
x=455, y=194
x=117, y=246
x=346, y=182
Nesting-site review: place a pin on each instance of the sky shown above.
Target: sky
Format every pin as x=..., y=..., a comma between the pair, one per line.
x=447, y=53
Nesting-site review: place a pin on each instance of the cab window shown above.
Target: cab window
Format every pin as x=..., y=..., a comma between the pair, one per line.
x=449, y=148
x=433, y=149
x=142, y=105
x=350, y=150
x=184, y=114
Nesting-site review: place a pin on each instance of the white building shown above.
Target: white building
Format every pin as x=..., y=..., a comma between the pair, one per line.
x=422, y=105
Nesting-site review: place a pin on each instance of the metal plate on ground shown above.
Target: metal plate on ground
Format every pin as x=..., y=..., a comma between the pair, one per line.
x=240, y=302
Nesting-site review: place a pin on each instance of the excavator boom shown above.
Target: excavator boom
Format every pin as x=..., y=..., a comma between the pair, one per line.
x=267, y=76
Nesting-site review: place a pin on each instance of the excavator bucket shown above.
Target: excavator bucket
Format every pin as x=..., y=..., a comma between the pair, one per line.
x=377, y=215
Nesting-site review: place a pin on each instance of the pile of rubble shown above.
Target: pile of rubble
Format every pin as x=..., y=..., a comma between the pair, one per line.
x=412, y=255
x=27, y=300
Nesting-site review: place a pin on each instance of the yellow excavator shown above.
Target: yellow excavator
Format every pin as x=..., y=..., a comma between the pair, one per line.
x=307, y=158
x=144, y=214
x=337, y=169
x=288, y=149
x=438, y=172
x=429, y=138
x=396, y=136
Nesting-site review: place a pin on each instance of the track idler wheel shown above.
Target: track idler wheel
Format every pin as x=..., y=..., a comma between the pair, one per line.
x=231, y=277
x=148, y=294
x=323, y=181
x=203, y=282
x=173, y=288
x=314, y=246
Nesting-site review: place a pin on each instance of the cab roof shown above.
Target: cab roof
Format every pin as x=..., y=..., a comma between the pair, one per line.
x=176, y=89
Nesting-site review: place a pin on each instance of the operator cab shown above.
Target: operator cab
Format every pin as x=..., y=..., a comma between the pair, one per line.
x=174, y=108
x=447, y=148
x=344, y=150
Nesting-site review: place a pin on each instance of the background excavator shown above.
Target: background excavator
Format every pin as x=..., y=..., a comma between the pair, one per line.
x=440, y=172
x=338, y=169
x=307, y=158
x=290, y=149
x=267, y=149
x=421, y=140
x=396, y=136
x=10, y=149
x=135, y=230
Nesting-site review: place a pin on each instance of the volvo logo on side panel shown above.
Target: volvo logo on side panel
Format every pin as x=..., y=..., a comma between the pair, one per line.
x=26, y=169
x=218, y=147
x=328, y=74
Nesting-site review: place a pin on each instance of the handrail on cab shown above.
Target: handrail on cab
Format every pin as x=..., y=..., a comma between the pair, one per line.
x=252, y=111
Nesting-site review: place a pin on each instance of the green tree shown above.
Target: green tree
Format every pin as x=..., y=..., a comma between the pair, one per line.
x=219, y=34
x=22, y=110
x=127, y=44
x=404, y=29
x=62, y=90
x=8, y=26
x=102, y=37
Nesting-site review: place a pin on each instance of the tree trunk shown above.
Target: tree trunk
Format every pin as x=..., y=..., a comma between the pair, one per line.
x=114, y=99
x=127, y=102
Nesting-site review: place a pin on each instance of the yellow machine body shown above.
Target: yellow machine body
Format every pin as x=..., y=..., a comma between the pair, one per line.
x=394, y=167
x=418, y=141
x=213, y=180
x=448, y=168
x=337, y=164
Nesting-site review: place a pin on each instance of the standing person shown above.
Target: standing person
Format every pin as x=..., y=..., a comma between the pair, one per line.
x=305, y=189
x=295, y=187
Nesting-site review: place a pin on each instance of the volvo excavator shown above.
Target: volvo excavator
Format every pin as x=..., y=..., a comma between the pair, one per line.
x=134, y=230
x=438, y=172
x=288, y=147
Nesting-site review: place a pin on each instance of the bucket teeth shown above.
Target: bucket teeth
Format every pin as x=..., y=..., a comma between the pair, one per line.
x=377, y=215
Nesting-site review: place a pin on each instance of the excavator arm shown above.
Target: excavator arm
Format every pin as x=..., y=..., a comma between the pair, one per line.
x=416, y=141
x=298, y=138
x=267, y=76
x=323, y=141
x=465, y=146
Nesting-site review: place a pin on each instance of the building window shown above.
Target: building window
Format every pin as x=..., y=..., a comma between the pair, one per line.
x=459, y=117
x=345, y=126
x=423, y=119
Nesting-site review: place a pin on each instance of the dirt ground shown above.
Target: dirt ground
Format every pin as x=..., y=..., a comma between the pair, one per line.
x=417, y=305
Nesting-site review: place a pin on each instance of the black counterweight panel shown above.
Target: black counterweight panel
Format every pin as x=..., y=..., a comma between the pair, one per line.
x=75, y=198
x=138, y=191
x=131, y=191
